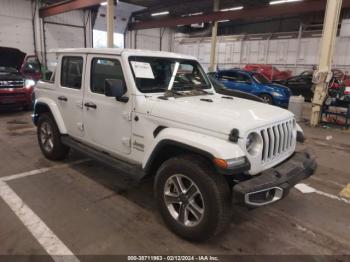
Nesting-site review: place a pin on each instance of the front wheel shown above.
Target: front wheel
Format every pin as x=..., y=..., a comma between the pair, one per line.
x=49, y=138
x=267, y=98
x=193, y=200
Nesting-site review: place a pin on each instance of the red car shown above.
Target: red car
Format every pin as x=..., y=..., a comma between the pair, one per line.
x=269, y=71
x=16, y=80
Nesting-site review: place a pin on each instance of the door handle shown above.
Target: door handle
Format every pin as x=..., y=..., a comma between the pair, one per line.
x=62, y=98
x=90, y=105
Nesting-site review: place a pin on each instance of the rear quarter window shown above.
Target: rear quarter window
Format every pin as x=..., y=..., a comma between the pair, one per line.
x=71, y=72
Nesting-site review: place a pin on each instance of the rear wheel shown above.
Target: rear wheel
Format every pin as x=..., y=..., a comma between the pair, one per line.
x=49, y=138
x=193, y=200
x=267, y=98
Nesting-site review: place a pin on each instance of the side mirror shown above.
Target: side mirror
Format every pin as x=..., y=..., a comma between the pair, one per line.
x=115, y=88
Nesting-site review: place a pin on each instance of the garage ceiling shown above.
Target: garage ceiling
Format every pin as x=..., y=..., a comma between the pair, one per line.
x=184, y=7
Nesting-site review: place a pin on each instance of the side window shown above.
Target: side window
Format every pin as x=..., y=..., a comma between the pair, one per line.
x=242, y=78
x=230, y=76
x=71, y=72
x=102, y=69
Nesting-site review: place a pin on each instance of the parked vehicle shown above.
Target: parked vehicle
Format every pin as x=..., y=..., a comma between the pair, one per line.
x=157, y=114
x=221, y=89
x=15, y=88
x=31, y=68
x=256, y=84
x=300, y=85
x=270, y=72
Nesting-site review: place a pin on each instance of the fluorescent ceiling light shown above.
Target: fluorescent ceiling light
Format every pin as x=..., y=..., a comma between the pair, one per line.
x=232, y=8
x=106, y=3
x=193, y=14
x=223, y=21
x=160, y=13
x=283, y=1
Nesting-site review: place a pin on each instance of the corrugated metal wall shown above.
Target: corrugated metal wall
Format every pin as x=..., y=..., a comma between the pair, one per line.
x=150, y=39
x=284, y=53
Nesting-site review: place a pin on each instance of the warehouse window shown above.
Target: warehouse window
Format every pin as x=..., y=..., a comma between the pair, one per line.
x=71, y=72
x=102, y=69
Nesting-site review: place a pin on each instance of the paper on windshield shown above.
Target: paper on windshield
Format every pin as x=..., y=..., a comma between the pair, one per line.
x=142, y=70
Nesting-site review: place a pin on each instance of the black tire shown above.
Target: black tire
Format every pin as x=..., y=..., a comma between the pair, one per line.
x=215, y=192
x=57, y=151
x=267, y=98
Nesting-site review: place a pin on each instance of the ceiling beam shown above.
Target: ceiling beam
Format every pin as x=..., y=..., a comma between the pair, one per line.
x=252, y=13
x=66, y=6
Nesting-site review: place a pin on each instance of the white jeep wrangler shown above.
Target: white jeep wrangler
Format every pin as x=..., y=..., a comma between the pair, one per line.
x=157, y=114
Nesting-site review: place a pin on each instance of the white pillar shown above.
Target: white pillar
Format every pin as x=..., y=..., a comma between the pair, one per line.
x=110, y=23
x=330, y=28
x=214, y=34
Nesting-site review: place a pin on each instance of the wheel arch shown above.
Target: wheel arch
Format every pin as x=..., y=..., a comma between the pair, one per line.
x=47, y=106
x=167, y=149
x=172, y=142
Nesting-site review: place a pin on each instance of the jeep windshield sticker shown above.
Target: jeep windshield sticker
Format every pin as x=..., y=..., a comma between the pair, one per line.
x=142, y=70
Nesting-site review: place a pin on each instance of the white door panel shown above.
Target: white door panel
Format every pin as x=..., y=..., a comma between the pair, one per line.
x=108, y=126
x=70, y=97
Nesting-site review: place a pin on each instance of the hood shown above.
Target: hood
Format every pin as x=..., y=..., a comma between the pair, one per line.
x=11, y=57
x=221, y=115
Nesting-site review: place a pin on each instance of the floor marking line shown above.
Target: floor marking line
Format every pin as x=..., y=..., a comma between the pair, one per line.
x=41, y=170
x=306, y=189
x=41, y=232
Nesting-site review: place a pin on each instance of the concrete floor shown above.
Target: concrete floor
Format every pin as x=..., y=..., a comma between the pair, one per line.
x=96, y=210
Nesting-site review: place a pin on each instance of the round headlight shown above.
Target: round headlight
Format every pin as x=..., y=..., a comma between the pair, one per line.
x=253, y=143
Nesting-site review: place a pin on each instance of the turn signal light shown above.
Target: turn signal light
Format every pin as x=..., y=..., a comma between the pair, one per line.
x=222, y=163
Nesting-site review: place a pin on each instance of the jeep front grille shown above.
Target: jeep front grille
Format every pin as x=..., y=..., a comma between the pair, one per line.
x=277, y=140
x=12, y=84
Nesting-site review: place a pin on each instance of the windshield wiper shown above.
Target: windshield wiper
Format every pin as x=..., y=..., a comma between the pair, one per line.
x=172, y=92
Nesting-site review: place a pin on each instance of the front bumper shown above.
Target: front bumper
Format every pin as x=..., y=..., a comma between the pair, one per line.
x=16, y=96
x=274, y=184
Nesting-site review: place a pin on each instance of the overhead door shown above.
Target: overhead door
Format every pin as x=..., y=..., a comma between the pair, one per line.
x=16, y=28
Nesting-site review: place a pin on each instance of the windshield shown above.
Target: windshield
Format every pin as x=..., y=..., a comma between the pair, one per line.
x=157, y=75
x=261, y=79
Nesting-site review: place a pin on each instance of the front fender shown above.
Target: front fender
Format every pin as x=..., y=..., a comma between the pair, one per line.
x=209, y=145
x=53, y=110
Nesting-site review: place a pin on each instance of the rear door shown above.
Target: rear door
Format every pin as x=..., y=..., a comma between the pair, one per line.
x=70, y=96
x=107, y=122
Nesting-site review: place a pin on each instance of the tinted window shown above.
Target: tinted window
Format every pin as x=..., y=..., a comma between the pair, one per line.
x=71, y=72
x=231, y=76
x=102, y=69
x=243, y=78
x=261, y=79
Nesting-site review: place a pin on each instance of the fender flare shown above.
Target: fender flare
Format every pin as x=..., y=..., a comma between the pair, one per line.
x=53, y=110
x=205, y=145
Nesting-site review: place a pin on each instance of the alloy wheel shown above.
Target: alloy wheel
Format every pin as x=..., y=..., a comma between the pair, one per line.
x=184, y=200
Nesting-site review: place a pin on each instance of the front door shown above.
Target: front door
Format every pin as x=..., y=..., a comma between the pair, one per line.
x=243, y=83
x=107, y=122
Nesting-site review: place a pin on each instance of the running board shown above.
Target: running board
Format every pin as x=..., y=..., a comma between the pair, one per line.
x=135, y=172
